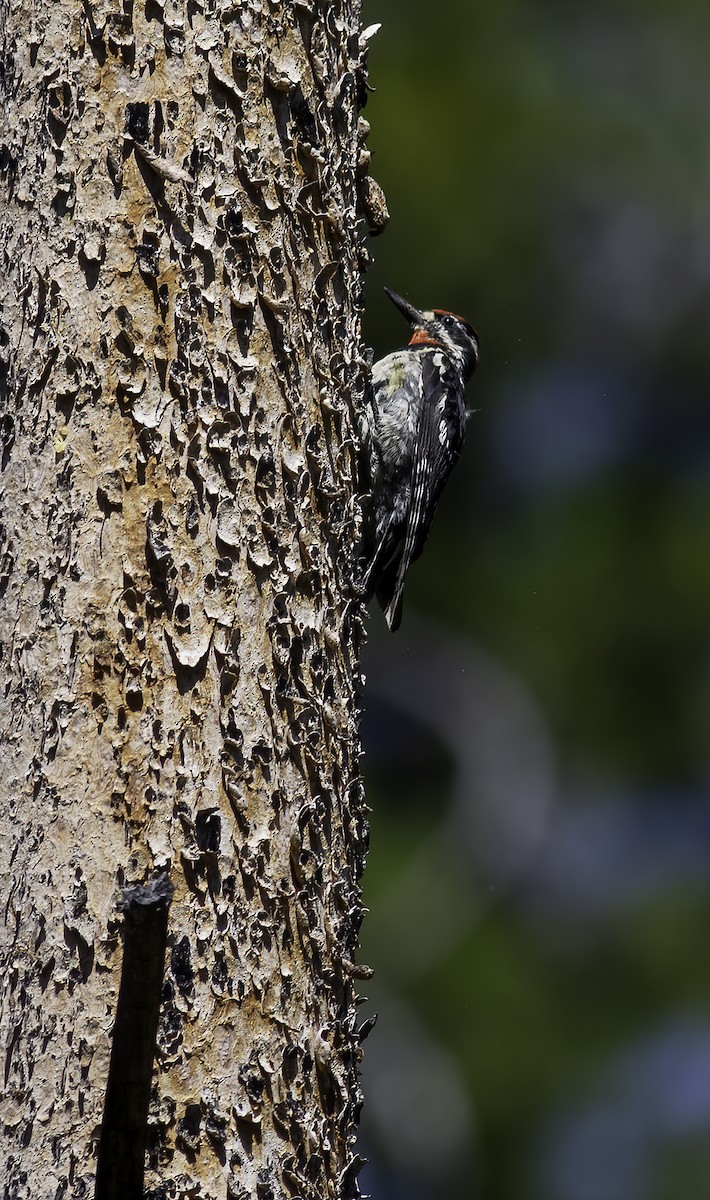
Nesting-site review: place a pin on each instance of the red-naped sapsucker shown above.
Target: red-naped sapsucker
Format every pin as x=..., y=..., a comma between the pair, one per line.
x=412, y=436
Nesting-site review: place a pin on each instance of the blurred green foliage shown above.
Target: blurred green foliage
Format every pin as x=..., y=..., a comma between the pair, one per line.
x=547, y=169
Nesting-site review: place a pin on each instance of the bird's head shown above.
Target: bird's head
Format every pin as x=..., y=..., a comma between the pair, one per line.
x=442, y=328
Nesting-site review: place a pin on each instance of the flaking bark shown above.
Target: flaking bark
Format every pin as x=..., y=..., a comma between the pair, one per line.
x=180, y=372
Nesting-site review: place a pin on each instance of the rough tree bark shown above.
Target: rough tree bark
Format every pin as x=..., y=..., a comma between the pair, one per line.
x=179, y=371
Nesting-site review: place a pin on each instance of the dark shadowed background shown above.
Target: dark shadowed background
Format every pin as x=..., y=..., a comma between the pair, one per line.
x=537, y=737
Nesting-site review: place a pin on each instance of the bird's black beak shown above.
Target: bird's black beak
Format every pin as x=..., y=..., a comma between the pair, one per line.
x=407, y=310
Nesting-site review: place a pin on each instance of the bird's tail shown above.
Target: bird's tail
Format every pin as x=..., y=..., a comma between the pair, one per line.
x=390, y=594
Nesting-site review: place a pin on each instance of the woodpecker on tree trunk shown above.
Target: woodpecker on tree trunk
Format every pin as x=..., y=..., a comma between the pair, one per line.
x=412, y=437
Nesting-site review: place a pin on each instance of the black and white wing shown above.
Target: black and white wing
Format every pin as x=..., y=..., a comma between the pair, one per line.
x=390, y=438
x=439, y=438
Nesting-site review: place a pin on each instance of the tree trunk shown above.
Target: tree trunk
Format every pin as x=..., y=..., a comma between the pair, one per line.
x=179, y=635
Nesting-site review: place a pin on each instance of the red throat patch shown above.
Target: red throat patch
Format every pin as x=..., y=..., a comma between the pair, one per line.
x=420, y=337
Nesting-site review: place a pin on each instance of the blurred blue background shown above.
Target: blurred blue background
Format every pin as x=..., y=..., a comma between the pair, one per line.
x=537, y=747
